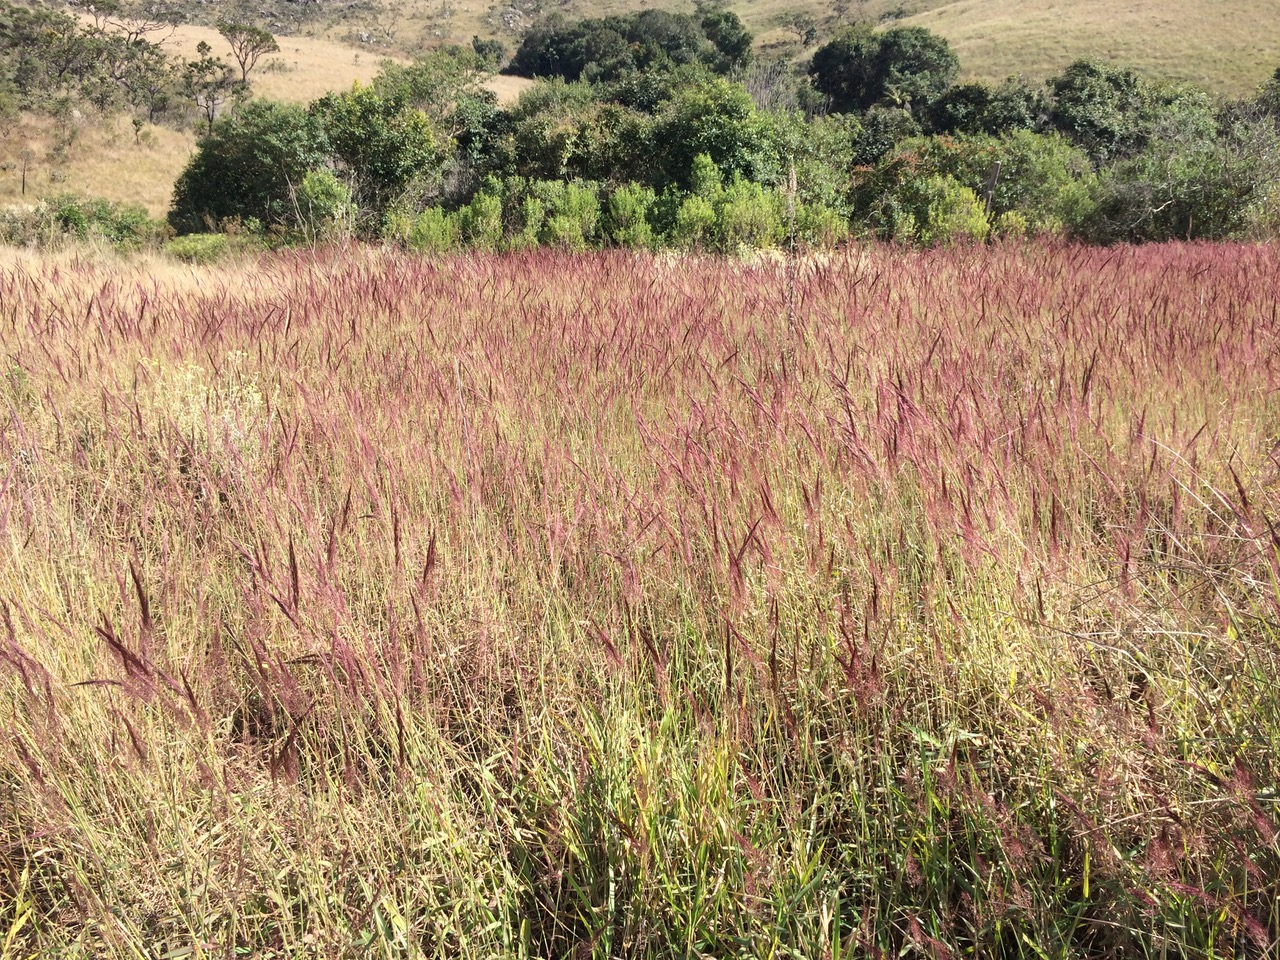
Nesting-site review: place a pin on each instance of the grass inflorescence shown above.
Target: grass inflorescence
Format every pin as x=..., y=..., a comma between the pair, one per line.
x=900, y=603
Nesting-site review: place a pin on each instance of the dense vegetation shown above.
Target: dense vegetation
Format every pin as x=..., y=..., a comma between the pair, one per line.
x=577, y=602
x=657, y=130
x=363, y=604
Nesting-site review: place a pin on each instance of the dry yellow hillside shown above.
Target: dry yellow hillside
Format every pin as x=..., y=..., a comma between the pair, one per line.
x=103, y=159
x=1229, y=46
x=106, y=158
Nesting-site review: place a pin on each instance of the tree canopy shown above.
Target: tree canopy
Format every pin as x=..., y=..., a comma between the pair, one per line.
x=905, y=66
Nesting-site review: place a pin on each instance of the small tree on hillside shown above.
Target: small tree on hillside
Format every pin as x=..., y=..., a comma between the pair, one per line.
x=248, y=44
x=209, y=83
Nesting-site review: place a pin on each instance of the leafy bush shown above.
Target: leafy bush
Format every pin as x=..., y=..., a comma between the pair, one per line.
x=928, y=209
x=695, y=220
x=820, y=227
x=747, y=216
x=381, y=144
x=948, y=212
x=881, y=130
x=480, y=221
x=431, y=231
x=325, y=207
x=248, y=166
x=533, y=214
x=72, y=217
x=1041, y=176
x=629, y=207
x=199, y=247
x=573, y=214
x=1185, y=188
x=717, y=119
x=976, y=108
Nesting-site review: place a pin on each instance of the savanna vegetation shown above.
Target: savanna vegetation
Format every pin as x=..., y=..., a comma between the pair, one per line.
x=886, y=604
x=709, y=504
x=661, y=130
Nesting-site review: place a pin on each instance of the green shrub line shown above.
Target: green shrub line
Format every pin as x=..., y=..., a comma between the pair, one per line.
x=658, y=131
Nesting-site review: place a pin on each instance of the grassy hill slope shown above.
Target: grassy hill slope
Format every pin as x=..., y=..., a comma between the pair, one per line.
x=104, y=158
x=1229, y=46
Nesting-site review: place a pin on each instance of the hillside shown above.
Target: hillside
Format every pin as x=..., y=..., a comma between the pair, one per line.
x=104, y=158
x=1230, y=46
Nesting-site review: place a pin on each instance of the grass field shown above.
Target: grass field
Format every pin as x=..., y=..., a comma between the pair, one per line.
x=1230, y=47
x=103, y=159
x=894, y=604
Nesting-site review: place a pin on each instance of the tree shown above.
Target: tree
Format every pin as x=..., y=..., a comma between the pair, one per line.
x=492, y=52
x=1096, y=106
x=136, y=24
x=248, y=44
x=978, y=108
x=247, y=166
x=209, y=83
x=730, y=37
x=149, y=79
x=613, y=47
x=718, y=119
x=441, y=84
x=380, y=144
x=9, y=115
x=906, y=67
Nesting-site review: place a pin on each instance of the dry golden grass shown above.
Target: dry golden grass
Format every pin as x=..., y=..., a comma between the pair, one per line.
x=309, y=67
x=1230, y=46
x=103, y=160
x=508, y=89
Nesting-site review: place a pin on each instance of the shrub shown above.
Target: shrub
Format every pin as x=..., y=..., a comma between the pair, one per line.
x=533, y=214
x=1043, y=177
x=199, y=247
x=820, y=227
x=1184, y=188
x=748, y=216
x=248, y=166
x=629, y=207
x=573, y=214
x=695, y=220
x=618, y=46
x=882, y=129
x=72, y=217
x=324, y=205
x=433, y=230
x=719, y=119
x=705, y=178
x=480, y=222
x=381, y=143
x=952, y=212
x=1011, y=223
